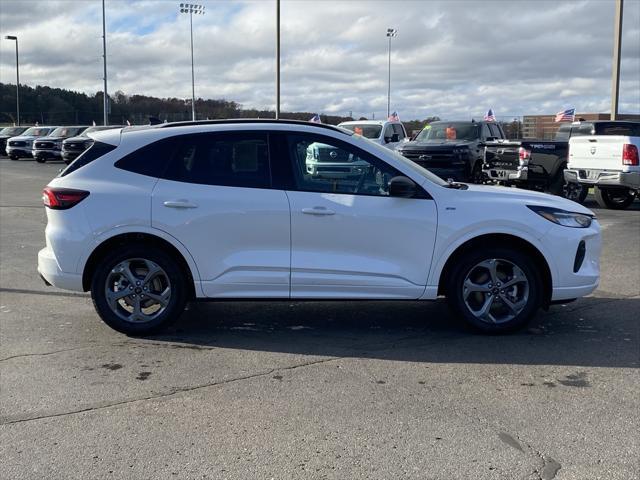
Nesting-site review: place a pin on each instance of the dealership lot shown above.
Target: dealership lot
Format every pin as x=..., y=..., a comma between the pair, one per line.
x=312, y=390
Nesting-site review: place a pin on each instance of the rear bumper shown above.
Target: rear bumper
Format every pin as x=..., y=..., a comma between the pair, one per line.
x=603, y=178
x=51, y=273
x=503, y=175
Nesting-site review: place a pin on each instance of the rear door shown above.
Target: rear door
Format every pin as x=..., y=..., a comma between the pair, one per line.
x=216, y=198
x=349, y=238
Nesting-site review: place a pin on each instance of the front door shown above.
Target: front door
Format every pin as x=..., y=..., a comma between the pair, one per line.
x=349, y=238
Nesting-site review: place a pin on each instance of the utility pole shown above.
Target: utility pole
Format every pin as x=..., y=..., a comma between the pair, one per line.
x=277, y=59
x=15, y=38
x=615, y=67
x=105, y=101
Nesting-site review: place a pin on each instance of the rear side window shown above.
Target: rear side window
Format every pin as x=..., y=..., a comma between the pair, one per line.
x=495, y=131
x=227, y=159
x=397, y=128
x=95, y=151
x=150, y=160
x=625, y=129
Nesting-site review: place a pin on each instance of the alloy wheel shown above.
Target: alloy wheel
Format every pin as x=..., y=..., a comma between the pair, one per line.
x=495, y=290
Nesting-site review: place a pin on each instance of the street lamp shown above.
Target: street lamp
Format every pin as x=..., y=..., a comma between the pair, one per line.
x=192, y=8
x=391, y=32
x=13, y=37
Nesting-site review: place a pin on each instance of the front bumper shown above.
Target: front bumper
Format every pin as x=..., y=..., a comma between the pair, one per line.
x=51, y=272
x=607, y=178
x=18, y=151
x=69, y=155
x=572, y=278
x=502, y=175
x=41, y=153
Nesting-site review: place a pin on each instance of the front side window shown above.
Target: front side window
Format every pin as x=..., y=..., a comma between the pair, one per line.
x=495, y=130
x=397, y=128
x=324, y=164
x=225, y=159
x=364, y=129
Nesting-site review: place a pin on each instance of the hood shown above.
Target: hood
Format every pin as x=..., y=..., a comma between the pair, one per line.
x=50, y=139
x=78, y=139
x=528, y=197
x=25, y=138
x=443, y=144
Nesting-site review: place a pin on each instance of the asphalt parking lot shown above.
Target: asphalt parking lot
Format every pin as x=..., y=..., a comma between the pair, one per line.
x=344, y=390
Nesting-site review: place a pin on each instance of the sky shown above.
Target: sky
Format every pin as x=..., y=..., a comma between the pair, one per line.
x=451, y=58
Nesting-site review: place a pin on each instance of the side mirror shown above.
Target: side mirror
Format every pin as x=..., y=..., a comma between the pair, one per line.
x=402, y=187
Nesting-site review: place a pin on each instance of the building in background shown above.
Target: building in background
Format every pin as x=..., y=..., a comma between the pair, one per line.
x=544, y=127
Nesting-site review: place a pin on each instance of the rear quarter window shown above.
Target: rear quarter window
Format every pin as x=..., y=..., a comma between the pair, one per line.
x=150, y=160
x=95, y=151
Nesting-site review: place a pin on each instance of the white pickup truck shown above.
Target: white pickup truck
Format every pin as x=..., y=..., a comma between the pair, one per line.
x=607, y=162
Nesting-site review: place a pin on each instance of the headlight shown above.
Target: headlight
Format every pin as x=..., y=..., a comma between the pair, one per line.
x=562, y=217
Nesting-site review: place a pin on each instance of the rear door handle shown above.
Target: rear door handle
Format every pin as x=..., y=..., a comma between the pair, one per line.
x=318, y=211
x=179, y=204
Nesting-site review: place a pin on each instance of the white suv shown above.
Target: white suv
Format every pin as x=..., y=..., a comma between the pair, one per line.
x=150, y=218
x=387, y=133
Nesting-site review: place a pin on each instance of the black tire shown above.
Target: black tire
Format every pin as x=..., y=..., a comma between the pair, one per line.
x=531, y=293
x=41, y=159
x=614, y=198
x=477, y=175
x=575, y=192
x=135, y=255
x=14, y=157
x=556, y=185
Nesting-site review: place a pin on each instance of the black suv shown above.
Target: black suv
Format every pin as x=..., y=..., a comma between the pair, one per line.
x=453, y=150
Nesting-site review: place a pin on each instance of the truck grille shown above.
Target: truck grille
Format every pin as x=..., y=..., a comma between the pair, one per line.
x=74, y=146
x=44, y=145
x=432, y=159
x=333, y=156
x=17, y=144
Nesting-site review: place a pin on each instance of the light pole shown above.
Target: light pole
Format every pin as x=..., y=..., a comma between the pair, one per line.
x=13, y=37
x=391, y=32
x=105, y=98
x=615, y=68
x=192, y=8
x=277, y=59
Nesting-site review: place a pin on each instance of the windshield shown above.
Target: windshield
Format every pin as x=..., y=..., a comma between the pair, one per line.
x=382, y=151
x=66, y=132
x=366, y=130
x=449, y=131
x=12, y=131
x=37, y=131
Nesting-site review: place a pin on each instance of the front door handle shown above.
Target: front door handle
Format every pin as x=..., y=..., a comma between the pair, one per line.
x=179, y=204
x=318, y=211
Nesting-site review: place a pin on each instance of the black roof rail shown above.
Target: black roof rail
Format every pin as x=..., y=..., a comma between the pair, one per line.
x=250, y=120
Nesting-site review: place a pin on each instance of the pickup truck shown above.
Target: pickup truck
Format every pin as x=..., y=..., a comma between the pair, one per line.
x=453, y=150
x=609, y=163
x=536, y=164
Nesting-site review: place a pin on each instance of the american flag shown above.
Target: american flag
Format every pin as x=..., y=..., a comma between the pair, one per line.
x=489, y=116
x=566, y=115
x=315, y=119
x=394, y=117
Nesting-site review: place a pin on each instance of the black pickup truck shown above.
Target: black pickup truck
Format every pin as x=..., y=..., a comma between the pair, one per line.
x=537, y=164
x=453, y=149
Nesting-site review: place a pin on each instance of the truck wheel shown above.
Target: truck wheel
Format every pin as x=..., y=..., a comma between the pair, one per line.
x=495, y=290
x=575, y=192
x=556, y=186
x=41, y=159
x=138, y=290
x=614, y=198
x=477, y=175
x=13, y=157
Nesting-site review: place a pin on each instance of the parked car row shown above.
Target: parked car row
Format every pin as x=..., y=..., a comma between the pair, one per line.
x=47, y=142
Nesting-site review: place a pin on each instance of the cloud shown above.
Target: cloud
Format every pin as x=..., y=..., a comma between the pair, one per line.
x=451, y=58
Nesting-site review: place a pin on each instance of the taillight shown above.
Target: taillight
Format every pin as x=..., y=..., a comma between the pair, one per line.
x=524, y=155
x=630, y=155
x=62, y=198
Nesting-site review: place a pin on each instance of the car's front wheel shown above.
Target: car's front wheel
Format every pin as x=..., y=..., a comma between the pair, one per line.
x=41, y=159
x=495, y=290
x=138, y=290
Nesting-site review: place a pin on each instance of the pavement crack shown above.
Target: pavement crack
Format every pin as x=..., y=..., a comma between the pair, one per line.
x=171, y=393
x=43, y=354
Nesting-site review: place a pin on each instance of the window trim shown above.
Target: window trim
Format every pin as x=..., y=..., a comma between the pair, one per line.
x=421, y=193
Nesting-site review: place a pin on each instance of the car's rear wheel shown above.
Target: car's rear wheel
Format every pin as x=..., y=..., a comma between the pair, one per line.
x=495, y=290
x=13, y=157
x=614, y=198
x=41, y=159
x=139, y=290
